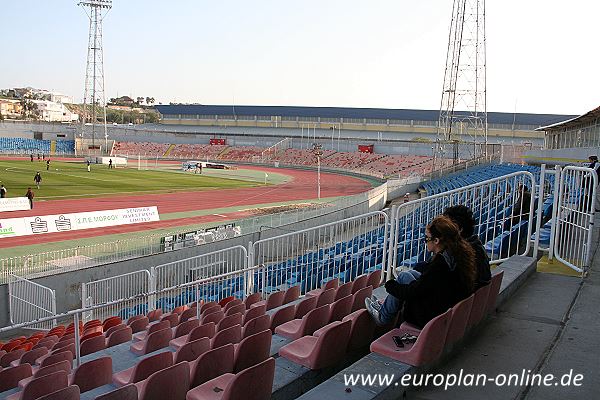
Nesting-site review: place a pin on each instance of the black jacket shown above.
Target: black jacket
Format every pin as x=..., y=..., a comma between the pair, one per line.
x=482, y=262
x=437, y=289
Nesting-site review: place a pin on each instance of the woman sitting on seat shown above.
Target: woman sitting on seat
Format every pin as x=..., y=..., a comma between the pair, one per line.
x=448, y=278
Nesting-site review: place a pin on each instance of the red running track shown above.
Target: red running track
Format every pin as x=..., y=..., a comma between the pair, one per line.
x=301, y=186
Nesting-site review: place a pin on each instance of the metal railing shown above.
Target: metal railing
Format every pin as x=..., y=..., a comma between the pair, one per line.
x=115, y=288
x=575, y=217
x=71, y=259
x=30, y=301
x=309, y=257
x=503, y=211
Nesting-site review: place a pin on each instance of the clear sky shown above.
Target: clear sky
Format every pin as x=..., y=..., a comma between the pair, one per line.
x=542, y=54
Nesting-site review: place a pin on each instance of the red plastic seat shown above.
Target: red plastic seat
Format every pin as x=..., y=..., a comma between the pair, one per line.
x=143, y=369
x=192, y=350
x=343, y=291
x=254, y=312
x=110, y=322
x=154, y=315
x=312, y=321
x=92, y=345
x=254, y=383
x=10, y=357
x=172, y=318
x=427, y=348
x=363, y=329
x=92, y=374
x=250, y=300
x=494, y=291
x=10, y=377
x=185, y=327
x=479, y=306
x=122, y=335
x=151, y=329
x=135, y=318
x=59, y=366
x=91, y=335
x=252, y=350
x=226, y=300
x=330, y=284
x=128, y=392
x=226, y=336
x=204, y=330
x=359, y=282
x=208, y=305
x=305, y=305
x=64, y=354
x=326, y=297
x=188, y=314
x=459, y=320
x=291, y=294
x=91, y=332
x=274, y=300
x=282, y=316
x=211, y=364
x=114, y=328
x=69, y=393
x=210, y=309
x=256, y=325
x=156, y=341
x=319, y=352
x=239, y=308
x=360, y=296
x=24, y=346
x=215, y=317
x=66, y=337
x=46, y=342
x=228, y=322
x=170, y=383
x=340, y=308
x=41, y=386
x=179, y=310
x=232, y=303
x=30, y=356
x=92, y=323
x=139, y=324
x=374, y=279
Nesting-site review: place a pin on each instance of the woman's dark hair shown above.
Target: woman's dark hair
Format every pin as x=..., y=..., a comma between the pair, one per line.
x=463, y=217
x=444, y=229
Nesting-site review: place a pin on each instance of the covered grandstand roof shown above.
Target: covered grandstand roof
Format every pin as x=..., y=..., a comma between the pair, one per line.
x=345, y=112
x=582, y=119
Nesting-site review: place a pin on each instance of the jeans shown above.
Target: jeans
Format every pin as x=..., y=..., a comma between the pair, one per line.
x=392, y=306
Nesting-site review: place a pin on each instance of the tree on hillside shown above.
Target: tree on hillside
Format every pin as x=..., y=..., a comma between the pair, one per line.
x=29, y=109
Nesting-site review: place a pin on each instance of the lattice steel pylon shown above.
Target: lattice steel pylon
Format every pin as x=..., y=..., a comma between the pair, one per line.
x=462, y=125
x=94, y=95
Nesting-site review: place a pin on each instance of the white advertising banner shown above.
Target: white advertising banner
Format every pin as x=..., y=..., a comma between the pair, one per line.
x=14, y=204
x=76, y=221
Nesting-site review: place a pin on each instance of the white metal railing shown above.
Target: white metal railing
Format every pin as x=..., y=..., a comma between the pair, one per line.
x=71, y=259
x=115, y=288
x=342, y=249
x=496, y=204
x=30, y=301
x=201, y=290
x=575, y=217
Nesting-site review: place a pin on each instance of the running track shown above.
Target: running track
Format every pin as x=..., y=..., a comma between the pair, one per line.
x=301, y=186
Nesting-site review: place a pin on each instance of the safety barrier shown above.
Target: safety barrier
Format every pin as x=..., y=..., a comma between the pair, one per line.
x=30, y=301
x=502, y=207
x=309, y=257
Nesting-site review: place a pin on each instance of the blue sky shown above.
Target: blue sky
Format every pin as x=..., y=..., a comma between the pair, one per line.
x=380, y=53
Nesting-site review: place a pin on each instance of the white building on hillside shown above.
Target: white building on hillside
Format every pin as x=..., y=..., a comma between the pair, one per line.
x=54, y=112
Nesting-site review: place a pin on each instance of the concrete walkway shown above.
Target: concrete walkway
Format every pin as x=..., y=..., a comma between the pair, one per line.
x=550, y=326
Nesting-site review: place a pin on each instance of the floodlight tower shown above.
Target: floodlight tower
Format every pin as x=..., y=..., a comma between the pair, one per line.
x=94, y=94
x=463, y=110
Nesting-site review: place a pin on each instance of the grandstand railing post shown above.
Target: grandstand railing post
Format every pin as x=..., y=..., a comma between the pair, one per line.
x=152, y=289
x=197, y=289
x=77, y=340
x=555, y=214
x=392, y=243
x=538, y=221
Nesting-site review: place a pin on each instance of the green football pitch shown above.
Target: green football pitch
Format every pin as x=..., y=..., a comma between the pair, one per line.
x=66, y=180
